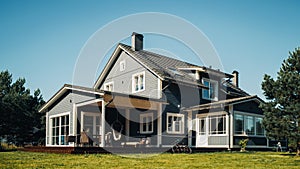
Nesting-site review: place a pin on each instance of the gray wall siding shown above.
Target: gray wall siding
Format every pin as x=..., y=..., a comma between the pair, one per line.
x=218, y=140
x=66, y=105
x=63, y=106
x=122, y=80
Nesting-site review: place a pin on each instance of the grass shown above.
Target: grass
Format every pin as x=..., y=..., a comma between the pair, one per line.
x=218, y=160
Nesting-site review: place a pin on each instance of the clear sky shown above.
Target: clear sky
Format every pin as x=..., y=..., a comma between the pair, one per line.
x=41, y=40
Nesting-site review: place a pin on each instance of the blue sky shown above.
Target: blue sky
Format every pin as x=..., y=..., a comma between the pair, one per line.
x=41, y=40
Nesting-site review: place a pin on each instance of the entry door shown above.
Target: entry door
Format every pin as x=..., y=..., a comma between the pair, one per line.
x=201, y=132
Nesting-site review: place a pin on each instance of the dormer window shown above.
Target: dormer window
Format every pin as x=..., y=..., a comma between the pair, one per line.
x=212, y=92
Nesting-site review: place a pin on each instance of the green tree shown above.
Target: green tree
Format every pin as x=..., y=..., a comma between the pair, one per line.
x=282, y=111
x=19, y=117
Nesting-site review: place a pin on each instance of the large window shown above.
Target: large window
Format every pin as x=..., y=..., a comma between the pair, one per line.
x=175, y=123
x=212, y=92
x=146, y=123
x=217, y=124
x=138, y=82
x=59, y=130
x=248, y=125
x=239, y=124
x=259, y=126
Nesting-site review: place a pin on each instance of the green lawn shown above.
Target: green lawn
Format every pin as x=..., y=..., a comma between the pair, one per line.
x=249, y=160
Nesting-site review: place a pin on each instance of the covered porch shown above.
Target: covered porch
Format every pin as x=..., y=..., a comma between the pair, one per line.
x=116, y=120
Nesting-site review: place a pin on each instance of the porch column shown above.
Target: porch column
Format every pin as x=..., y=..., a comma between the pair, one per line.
x=190, y=127
x=127, y=125
x=74, y=122
x=159, y=124
x=47, y=130
x=231, y=127
x=103, y=123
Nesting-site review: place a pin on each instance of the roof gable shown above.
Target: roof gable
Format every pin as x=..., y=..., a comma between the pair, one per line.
x=66, y=88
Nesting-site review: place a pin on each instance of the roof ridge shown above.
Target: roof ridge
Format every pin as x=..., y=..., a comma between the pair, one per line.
x=161, y=55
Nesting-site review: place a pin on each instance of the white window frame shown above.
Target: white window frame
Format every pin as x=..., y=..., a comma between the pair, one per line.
x=109, y=86
x=255, y=116
x=148, y=123
x=181, y=123
x=263, y=133
x=122, y=65
x=59, y=126
x=210, y=131
x=139, y=83
x=250, y=119
x=94, y=116
x=243, y=124
x=202, y=125
x=216, y=84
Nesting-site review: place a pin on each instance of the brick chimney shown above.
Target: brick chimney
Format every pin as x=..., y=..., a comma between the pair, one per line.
x=235, y=79
x=137, y=41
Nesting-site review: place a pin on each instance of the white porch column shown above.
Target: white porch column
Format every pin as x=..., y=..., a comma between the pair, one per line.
x=231, y=129
x=47, y=130
x=74, y=122
x=159, y=124
x=190, y=128
x=127, y=125
x=103, y=123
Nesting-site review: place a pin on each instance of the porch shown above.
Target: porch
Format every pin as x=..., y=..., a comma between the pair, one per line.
x=116, y=120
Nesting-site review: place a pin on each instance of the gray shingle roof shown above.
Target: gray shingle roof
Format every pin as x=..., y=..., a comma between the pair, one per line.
x=232, y=90
x=163, y=66
x=224, y=103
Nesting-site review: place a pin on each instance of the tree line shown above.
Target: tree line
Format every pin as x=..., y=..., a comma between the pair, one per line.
x=20, y=121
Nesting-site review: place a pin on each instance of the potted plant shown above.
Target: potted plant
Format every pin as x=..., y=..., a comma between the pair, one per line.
x=243, y=144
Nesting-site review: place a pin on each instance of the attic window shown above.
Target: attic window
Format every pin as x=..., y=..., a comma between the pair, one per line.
x=122, y=65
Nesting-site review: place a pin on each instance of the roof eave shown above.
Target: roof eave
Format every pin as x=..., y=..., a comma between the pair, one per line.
x=106, y=67
x=63, y=90
x=224, y=103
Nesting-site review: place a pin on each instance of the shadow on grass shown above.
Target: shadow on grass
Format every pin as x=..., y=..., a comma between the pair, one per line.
x=289, y=155
x=7, y=150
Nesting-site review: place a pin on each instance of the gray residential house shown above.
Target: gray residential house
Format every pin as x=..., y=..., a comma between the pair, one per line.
x=144, y=98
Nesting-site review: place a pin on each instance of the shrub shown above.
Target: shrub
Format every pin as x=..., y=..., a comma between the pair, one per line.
x=243, y=144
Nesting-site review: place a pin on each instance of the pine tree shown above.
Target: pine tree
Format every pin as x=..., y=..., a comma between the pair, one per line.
x=19, y=117
x=282, y=111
